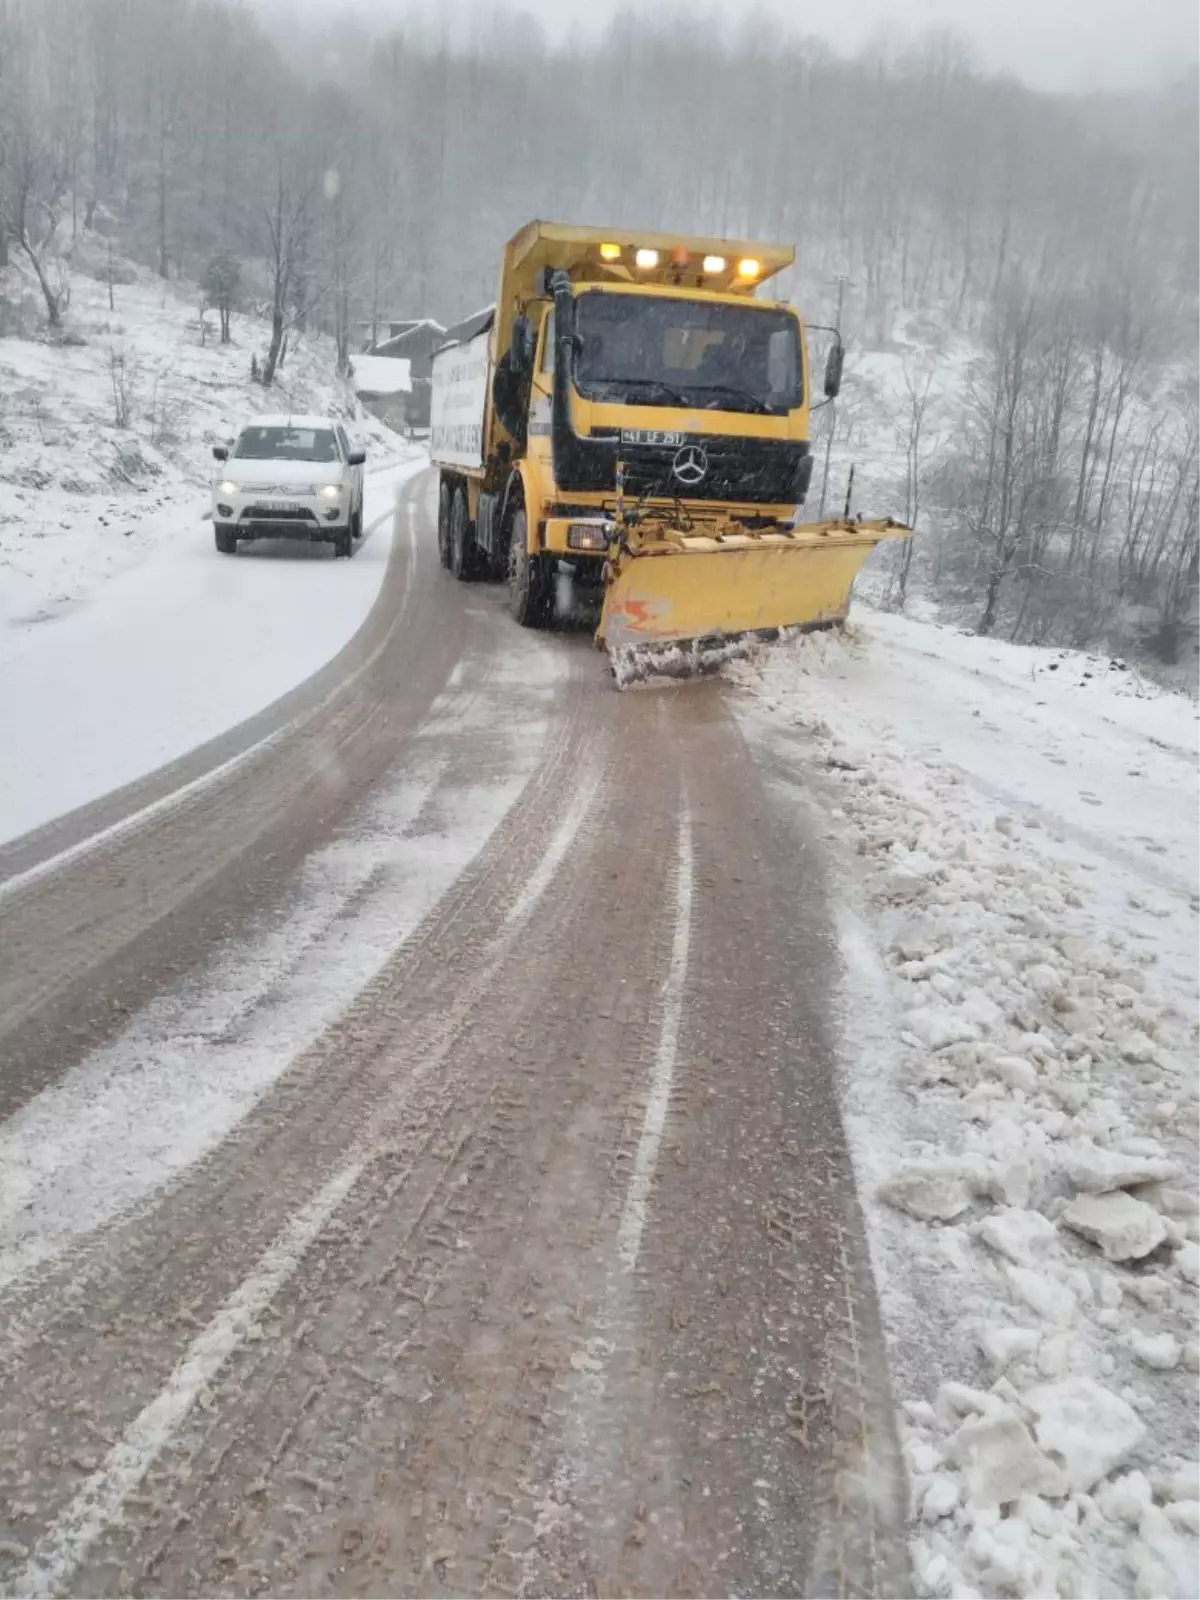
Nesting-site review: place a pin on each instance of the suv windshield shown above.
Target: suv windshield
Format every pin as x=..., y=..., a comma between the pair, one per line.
x=286, y=444
x=655, y=351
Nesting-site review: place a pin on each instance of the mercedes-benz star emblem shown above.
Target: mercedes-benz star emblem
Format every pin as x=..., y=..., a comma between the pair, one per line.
x=690, y=464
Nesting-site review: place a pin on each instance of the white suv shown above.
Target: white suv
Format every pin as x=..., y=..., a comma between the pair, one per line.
x=289, y=478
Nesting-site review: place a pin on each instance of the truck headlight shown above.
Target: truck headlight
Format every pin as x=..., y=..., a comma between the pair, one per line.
x=589, y=535
x=330, y=491
x=227, y=486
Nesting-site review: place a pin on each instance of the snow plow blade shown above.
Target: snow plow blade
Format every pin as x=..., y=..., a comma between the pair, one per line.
x=680, y=604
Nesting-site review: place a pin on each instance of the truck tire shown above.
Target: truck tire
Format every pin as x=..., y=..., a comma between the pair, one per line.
x=226, y=540
x=529, y=578
x=445, y=496
x=464, y=558
x=343, y=542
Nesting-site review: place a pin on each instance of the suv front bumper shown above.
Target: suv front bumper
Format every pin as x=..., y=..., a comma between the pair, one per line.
x=304, y=517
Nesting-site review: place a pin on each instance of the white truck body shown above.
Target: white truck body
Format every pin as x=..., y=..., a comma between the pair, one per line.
x=458, y=401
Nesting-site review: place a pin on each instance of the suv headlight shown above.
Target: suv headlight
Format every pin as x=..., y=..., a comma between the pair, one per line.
x=227, y=486
x=330, y=491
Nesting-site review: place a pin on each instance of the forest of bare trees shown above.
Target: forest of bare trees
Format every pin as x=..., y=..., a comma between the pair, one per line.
x=345, y=177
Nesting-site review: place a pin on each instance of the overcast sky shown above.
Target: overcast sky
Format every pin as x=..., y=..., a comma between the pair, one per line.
x=1053, y=44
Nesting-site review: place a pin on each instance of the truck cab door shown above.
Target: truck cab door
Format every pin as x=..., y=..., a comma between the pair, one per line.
x=541, y=391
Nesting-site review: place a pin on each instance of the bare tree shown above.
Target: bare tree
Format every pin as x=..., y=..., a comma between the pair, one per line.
x=31, y=215
x=221, y=286
x=919, y=377
x=289, y=219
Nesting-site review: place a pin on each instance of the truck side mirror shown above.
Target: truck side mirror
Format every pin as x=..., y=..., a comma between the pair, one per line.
x=356, y=458
x=834, y=362
x=220, y=453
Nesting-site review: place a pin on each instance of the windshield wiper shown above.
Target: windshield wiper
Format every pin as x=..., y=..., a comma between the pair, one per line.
x=663, y=390
x=754, y=401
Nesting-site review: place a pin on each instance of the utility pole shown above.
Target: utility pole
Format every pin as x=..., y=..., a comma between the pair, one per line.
x=837, y=322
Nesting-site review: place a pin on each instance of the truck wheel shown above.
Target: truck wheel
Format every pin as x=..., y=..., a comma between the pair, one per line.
x=528, y=578
x=226, y=540
x=343, y=543
x=463, y=557
x=443, y=531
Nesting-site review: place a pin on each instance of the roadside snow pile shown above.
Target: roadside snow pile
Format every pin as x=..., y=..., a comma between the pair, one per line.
x=1024, y=1126
x=105, y=438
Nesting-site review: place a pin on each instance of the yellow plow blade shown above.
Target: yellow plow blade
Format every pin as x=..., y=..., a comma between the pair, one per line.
x=693, y=588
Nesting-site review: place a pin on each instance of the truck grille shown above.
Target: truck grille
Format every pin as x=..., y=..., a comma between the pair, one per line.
x=740, y=469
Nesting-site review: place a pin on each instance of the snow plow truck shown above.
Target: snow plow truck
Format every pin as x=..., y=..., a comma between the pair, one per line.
x=631, y=413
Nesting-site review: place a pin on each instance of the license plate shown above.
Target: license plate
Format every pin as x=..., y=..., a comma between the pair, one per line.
x=651, y=436
x=281, y=505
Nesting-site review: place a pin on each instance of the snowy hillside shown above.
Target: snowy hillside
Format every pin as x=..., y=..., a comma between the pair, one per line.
x=105, y=440
x=1089, y=536
x=1017, y=918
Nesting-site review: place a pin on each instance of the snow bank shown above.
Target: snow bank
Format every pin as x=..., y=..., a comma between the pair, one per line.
x=172, y=653
x=126, y=638
x=1021, y=1092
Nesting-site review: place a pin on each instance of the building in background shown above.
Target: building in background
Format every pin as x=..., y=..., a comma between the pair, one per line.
x=384, y=385
x=413, y=344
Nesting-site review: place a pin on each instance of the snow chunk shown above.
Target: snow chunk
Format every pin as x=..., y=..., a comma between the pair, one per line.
x=1085, y=1426
x=1016, y=1072
x=1004, y=1345
x=981, y=1011
x=937, y=1029
x=1187, y=1259
x=1098, y=1170
x=911, y=878
x=1163, y=1562
x=1157, y=1350
x=1125, y=1498
x=1184, y=1514
x=1137, y=1047
x=929, y=1190
x=957, y=1400
x=1182, y=1483
x=1125, y=1229
x=1053, y=1301
x=1019, y=1236
x=941, y=1498
x=1000, y=1461
x=1042, y=978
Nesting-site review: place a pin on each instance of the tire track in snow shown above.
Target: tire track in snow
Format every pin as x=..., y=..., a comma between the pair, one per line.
x=174, y=1084
x=645, y=1161
x=102, y=1496
x=99, y=1502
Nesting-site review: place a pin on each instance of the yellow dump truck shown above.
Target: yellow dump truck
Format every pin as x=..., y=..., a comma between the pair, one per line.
x=630, y=411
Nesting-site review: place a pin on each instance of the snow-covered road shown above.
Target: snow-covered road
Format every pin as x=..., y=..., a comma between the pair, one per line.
x=1012, y=835
x=428, y=1124
x=170, y=653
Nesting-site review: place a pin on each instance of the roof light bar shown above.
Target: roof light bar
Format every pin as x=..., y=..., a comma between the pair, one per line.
x=715, y=263
x=610, y=252
x=749, y=267
x=646, y=258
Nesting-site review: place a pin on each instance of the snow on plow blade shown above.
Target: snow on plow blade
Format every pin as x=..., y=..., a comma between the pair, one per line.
x=680, y=605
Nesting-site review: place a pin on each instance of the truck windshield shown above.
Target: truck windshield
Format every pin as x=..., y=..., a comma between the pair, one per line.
x=659, y=351
x=286, y=444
